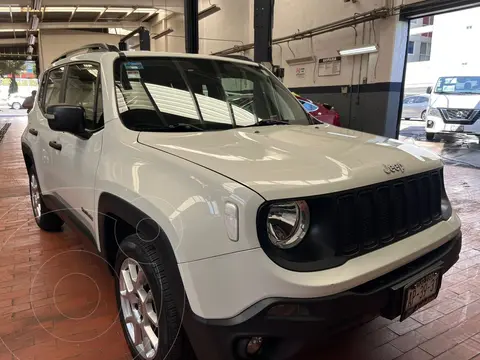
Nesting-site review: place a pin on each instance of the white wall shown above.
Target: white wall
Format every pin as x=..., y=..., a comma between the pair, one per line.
x=53, y=43
x=232, y=25
x=388, y=33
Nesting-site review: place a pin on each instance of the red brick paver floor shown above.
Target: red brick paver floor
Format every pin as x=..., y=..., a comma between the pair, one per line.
x=57, y=296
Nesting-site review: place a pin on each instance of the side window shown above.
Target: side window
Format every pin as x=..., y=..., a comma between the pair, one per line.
x=81, y=90
x=53, y=87
x=422, y=99
x=41, y=91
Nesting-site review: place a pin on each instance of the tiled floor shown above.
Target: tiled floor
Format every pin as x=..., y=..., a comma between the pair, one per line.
x=56, y=294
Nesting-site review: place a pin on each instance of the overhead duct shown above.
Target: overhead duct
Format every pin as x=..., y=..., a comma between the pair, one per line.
x=336, y=25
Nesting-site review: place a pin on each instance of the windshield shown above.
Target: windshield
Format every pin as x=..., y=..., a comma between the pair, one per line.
x=182, y=94
x=458, y=85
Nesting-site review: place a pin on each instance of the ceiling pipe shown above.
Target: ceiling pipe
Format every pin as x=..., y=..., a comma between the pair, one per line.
x=336, y=25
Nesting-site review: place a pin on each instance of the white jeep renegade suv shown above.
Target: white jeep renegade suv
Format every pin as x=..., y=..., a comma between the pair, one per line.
x=237, y=229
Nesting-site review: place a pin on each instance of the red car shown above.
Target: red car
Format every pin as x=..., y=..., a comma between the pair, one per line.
x=322, y=112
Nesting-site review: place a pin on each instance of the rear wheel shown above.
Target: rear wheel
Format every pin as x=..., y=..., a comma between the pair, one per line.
x=16, y=106
x=430, y=136
x=149, y=318
x=45, y=218
x=424, y=116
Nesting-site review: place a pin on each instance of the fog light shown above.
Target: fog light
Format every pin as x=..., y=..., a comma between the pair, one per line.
x=430, y=124
x=254, y=345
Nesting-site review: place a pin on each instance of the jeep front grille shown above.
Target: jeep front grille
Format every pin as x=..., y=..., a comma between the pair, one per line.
x=382, y=214
x=351, y=223
x=460, y=116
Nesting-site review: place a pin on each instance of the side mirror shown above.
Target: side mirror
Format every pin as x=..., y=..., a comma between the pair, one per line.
x=67, y=118
x=429, y=90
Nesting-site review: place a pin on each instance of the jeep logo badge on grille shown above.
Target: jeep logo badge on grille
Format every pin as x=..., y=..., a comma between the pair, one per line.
x=394, y=168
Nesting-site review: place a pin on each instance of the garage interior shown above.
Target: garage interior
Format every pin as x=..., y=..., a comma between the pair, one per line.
x=57, y=294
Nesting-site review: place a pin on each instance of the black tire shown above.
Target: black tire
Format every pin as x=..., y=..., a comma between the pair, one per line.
x=174, y=344
x=430, y=136
x=47, y=220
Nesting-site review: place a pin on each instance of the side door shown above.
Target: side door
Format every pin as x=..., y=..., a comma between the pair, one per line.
x=80, y=156
x=46, y=158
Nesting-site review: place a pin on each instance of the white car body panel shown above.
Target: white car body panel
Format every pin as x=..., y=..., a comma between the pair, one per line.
x=293, y=161
x=226, y=293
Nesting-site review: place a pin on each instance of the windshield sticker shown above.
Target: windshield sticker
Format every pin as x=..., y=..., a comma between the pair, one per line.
x=133, y=74
x=449, y=88
x=134, y=66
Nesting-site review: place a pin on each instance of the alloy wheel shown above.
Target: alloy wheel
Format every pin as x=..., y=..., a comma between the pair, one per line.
x=35, y=195
x=138, y=308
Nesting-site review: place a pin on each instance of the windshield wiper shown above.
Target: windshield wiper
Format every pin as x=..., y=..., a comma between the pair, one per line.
x=172, y=128
x=268, y=122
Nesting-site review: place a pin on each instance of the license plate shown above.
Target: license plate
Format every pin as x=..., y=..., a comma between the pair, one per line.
x=456, y=128
x=420, y=293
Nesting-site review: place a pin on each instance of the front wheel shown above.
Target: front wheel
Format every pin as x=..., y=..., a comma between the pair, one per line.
x=45, y=219
x=430, y=136
x=150, y=322
x=16, y=106
x=424, y=116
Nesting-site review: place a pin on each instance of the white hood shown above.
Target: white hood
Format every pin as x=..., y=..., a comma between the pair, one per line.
x=455, y=101
x=294, y=161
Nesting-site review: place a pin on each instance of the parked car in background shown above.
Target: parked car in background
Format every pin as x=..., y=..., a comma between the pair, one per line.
x=415, y=107
x=454, y=106
x=15, y=101
x=322, y=112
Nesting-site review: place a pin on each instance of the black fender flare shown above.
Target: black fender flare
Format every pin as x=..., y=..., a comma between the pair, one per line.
x=118, y=207
x=195, y=329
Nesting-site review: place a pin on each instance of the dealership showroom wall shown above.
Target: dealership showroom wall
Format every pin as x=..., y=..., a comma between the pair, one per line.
x=239, y=179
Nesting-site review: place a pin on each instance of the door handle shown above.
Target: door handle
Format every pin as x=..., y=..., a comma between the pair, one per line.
x=55, y=145
x=33, y=132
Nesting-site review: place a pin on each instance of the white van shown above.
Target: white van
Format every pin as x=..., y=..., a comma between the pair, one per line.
x=454, y=106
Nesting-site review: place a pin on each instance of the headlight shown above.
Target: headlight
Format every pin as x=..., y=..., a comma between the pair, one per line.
x=434, y=112
x=287, y=223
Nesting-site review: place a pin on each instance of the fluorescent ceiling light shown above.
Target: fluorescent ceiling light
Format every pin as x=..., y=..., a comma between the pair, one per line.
x=119, y=9
x=367, y=49
x=12, y=30
x=59, y=9
x=208, y=11
x=162, y=34
x=90, y=9
x=145, y=10
x=15, y=9
x=303, y=60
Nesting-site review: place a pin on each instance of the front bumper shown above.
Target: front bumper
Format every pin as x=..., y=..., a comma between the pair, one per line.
x=438, y=126
x=288, y=324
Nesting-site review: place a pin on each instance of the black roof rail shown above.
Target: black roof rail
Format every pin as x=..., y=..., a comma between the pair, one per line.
x=89, y=48
x=238, y=57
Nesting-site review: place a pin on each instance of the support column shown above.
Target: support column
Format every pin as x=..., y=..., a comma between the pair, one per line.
x=191, y=26
x=263, y=25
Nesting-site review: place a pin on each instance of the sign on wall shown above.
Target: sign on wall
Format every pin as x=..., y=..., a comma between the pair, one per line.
x=330, y=66
x=300, y=71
